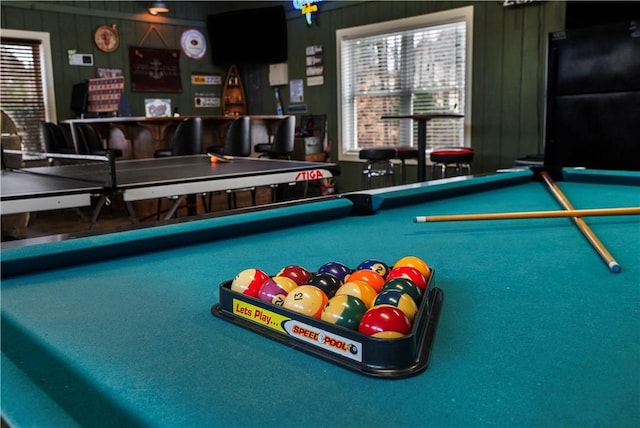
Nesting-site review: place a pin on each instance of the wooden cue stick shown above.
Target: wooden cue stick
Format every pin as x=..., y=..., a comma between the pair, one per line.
x=612, y=264
x=529, y=214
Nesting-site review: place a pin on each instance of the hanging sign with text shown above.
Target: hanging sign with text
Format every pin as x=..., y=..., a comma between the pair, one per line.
x=154, y=70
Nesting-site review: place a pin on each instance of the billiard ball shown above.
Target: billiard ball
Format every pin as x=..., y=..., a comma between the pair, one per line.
x=410, y=273
x=336, y=269
x=370, y=277
x=275, y=289
x=414, y=262
x=400, y=300
x=380, y=320
x=299, y=274
x=359, y=289
x=405, y=285
x=307, y=300
x=249, y=282
x=375, y=265
x=325, y=282
x=344, y=310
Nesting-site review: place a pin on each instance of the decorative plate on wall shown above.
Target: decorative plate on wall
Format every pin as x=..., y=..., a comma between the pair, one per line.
x=106, y=38
x=193, y=44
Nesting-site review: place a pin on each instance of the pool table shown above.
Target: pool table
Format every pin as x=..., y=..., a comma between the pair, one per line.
x=534, y=330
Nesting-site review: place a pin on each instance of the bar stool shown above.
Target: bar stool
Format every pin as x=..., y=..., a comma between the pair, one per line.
x=445, y=157
x=404, y=153
x=378, y=165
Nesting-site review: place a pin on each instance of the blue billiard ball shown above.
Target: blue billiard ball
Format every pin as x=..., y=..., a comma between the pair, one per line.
x=375, y=265
x=336, y=269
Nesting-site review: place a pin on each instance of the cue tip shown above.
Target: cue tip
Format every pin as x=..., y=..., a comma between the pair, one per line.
x=614, y=267
x=420, y=219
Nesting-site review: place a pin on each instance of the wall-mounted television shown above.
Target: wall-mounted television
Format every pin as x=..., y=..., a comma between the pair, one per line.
x=248, y=36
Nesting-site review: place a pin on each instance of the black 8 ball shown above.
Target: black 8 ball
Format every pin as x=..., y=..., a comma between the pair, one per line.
x=325, y=282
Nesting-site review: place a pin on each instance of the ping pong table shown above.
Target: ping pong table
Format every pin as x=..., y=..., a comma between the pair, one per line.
x=66, y=186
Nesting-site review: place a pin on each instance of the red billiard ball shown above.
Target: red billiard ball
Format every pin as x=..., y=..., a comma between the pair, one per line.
x=344, y=310
x=414, y=262
x=275, y=289
x=307, y=300
x=336, y=269
x=406, y=286
x=398, y=299
x=384, y=321
x=249, y=282
x=359, y=289
x=370, y=277
x=410, y=273
x=375, y=265
x=325, y=282
x=299, y=274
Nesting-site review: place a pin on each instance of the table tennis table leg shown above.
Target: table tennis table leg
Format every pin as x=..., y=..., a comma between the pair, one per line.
x=174, y=207
x=132, y=212
x=96, y=211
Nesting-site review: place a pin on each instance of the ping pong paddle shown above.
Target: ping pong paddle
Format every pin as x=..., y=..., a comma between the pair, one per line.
x=219, y=158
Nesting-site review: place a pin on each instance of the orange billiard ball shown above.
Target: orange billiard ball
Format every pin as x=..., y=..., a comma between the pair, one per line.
x=374, y=279
x=359, y=289
x=414, y=262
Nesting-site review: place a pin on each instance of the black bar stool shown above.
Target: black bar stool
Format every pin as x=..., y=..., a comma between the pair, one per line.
x=445, y=157
x=378, y=165
x=404, y=153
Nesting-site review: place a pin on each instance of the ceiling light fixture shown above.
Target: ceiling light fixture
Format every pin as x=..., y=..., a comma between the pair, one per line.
x=158, y=7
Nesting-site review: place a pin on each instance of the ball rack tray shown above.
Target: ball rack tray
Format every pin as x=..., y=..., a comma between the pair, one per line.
x=376, y=357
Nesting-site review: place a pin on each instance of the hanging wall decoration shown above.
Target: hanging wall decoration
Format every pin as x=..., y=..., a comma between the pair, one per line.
x=153, y=69
x=193, y=44
x=106, y=38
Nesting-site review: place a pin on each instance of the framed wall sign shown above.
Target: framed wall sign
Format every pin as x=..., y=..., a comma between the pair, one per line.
x=193, y=44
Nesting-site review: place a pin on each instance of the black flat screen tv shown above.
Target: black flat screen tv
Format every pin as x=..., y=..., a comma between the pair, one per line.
x=248, y=36
x=593, y=98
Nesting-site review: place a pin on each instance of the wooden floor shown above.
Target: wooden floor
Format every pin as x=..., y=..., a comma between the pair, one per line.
x=115, y=217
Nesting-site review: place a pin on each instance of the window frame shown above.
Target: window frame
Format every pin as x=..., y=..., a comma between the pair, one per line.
x=463, y=14
x=46, y=67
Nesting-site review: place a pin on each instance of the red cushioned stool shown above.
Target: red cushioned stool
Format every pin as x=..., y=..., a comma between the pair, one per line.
x=404, y=153
x=380, y=158
x=458, y=157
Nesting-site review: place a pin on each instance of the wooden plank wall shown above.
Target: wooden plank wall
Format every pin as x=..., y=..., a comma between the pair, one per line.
x=509, y=60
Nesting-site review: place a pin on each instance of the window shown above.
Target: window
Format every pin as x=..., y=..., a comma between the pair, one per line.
x=409, y=66
x=26, y=83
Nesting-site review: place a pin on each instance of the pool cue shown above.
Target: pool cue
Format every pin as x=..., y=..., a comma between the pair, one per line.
x=529, y=214
x=612, y=264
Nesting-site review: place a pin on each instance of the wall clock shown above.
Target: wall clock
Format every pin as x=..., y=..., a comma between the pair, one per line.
x=106, y=38
x=193, y=44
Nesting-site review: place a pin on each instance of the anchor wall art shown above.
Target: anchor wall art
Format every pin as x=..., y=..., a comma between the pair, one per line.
x=154, y=70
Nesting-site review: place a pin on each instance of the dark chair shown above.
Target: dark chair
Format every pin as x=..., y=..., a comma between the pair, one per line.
x=405, y=153
x=378, y=164
x=90, y=142
x=187, y=141
x=56, y=141
x=237, y=142
x=281, y=147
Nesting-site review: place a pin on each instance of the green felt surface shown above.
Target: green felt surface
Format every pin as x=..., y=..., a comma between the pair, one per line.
x=534, y=330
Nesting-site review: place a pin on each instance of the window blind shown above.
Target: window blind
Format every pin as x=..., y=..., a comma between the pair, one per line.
x=412, y=71
x=22, y=89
